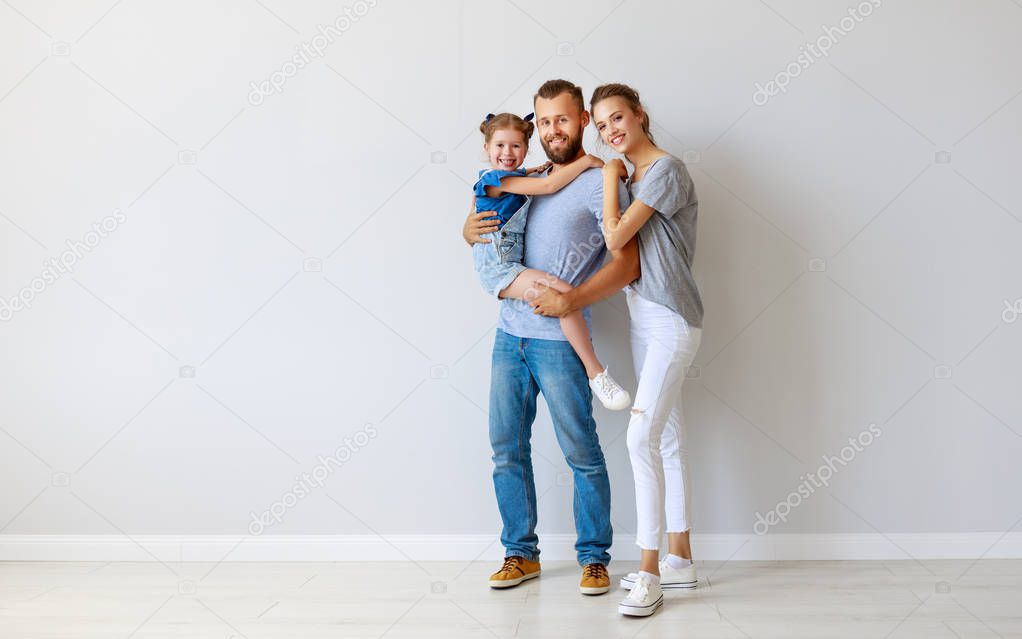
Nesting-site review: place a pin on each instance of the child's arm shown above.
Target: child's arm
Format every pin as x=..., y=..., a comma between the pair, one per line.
x=619, y=228
x=545, y=185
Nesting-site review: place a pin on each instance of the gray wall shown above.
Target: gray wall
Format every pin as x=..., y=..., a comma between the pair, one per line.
x=858, y=240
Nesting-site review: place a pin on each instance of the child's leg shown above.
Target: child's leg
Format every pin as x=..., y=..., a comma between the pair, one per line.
x=526, y=287
x=575, y=329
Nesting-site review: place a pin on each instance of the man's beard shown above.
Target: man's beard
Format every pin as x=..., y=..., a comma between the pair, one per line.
x=565, y=154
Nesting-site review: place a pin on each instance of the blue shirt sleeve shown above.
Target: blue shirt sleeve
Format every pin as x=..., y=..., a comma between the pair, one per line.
x=492, y=177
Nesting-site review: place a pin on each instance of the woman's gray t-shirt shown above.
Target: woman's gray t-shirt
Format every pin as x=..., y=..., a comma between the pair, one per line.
x=667, y=242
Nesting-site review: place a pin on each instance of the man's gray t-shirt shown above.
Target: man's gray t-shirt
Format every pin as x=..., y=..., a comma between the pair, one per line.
x=562, y=237
x=667, y=242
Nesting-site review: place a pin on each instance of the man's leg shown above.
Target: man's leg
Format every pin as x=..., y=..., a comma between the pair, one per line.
x=512, y=412
x=565, y=387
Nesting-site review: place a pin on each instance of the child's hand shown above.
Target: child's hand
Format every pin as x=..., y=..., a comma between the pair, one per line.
x=539, y=169
x=595, y=162
x=616, y=168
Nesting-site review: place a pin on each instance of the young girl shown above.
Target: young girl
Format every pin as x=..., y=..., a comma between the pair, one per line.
x=503, y=189
x=666, y=320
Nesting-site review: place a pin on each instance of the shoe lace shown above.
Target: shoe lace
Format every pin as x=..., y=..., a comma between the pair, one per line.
x=594, y=570
x=510, y=564
x=640, y=589
x=607, y=387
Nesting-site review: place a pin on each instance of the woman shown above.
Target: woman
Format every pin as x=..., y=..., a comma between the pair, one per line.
x=666, y=326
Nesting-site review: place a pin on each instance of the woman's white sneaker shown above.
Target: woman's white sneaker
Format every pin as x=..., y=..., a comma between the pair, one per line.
x=609, y=392
x=670, y=578
x=644, y=599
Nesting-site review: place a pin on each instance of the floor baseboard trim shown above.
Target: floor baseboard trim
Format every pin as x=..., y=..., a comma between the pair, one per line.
x=771, y=547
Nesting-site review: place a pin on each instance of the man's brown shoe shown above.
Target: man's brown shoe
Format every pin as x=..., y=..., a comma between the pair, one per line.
x=514, y=571
x=595, y=580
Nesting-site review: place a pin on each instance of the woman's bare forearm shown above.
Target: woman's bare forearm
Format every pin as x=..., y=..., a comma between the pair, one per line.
x=622, y=270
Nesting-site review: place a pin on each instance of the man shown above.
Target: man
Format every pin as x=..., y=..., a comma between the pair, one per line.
x=531, y=354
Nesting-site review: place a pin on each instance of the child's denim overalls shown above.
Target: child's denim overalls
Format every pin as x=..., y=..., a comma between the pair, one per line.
x=500, y=262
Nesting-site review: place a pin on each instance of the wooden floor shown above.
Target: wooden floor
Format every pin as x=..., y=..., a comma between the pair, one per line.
x=451, y=600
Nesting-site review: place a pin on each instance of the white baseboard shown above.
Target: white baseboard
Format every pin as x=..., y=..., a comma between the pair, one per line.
x=771, y=547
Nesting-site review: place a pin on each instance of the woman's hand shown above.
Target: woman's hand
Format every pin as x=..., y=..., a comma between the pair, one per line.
x=615, y=168
x=475, y=227
x=595, y=162
x=550, y=302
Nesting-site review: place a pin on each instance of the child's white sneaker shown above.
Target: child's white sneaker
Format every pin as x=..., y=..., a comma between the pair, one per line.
x=644, y=599
x=670, y=578
x=609, y=392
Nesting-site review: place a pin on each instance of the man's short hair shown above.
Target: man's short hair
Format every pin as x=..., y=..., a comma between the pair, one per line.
x=553, y=88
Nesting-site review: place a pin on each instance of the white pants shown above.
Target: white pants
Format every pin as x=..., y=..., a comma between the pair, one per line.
x=663, y=347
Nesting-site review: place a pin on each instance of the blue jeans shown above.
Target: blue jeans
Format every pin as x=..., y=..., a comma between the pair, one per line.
x=521, y=368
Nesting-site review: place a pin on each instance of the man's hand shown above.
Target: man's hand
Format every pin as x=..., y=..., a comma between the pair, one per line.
x=616, y=168
x=550, y=302
x=475, y=228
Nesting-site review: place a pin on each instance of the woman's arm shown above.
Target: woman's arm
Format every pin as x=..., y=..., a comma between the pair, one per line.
x=618, y=228
x=545, y=185
x=612, y=277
